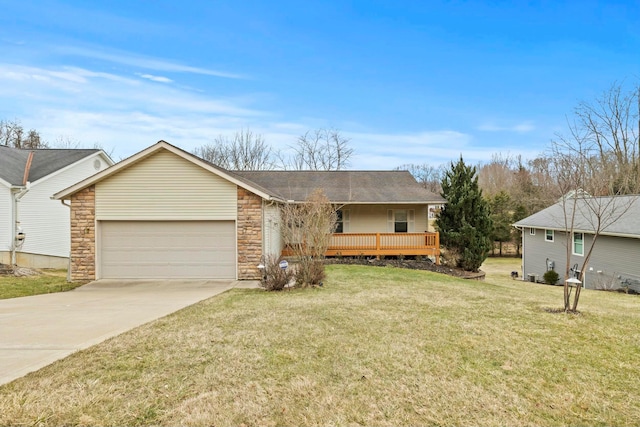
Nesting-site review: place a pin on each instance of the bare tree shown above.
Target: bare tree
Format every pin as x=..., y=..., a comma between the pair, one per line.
x=12, y=134
x=321, y=149
x=497, y=175
x=591, y=167
x=427, y=175
x=246, y=151
x=306, y=229
x=609, y=129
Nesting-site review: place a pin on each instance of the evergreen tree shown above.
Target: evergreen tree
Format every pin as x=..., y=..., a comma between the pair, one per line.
x=519, y=212
x=501, y=217
x=464, y=224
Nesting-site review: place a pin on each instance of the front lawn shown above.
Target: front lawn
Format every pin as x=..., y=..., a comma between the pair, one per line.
x=374, y=346
x=50, y=281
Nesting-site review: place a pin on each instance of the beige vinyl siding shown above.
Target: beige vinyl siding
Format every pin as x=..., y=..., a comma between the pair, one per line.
x=373, y=218
x=166, y=187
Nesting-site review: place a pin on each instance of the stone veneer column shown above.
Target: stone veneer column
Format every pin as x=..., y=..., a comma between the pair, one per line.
x=83, y=235
x=249, y=234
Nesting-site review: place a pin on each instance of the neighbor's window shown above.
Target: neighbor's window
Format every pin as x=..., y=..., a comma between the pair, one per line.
x=578, y=244
x=548, y=235
x=532, y=231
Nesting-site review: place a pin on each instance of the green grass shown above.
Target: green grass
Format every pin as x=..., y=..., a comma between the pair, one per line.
x=50, y=281
x=374, y=346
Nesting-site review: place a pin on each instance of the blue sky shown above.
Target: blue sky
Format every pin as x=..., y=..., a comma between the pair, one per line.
x=407, y=81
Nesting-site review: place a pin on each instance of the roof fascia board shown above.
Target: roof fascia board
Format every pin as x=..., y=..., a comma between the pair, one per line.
x=579, y=230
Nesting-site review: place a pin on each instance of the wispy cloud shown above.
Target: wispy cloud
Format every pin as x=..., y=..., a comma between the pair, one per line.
x=118, y=112
x=522, y=127
x=127, y=113
x=153, y=78
x=126, y=58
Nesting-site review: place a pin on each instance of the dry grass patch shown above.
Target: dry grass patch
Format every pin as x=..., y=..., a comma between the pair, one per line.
x=374, y=346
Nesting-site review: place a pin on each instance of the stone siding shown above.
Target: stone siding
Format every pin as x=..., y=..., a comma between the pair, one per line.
x=249, y=234
x=83, y=235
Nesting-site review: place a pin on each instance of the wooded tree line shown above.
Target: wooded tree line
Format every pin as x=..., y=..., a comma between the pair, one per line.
x=599, y=155
x=12, y=134
x=320, y=149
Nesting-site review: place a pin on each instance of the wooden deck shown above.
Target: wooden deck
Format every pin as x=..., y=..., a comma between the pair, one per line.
x=379, y=244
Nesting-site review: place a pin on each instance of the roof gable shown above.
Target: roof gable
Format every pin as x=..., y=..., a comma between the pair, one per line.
x=13, y=162
x=142, y=155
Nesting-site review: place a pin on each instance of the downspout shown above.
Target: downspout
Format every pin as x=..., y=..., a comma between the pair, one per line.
x=17, y=195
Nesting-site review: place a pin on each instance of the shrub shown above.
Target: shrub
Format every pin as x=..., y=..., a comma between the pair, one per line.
x=550, y=277
x=310, y=272
x=275, y=278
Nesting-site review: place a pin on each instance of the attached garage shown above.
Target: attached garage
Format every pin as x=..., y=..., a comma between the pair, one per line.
x=167, y=249
x=162, y=214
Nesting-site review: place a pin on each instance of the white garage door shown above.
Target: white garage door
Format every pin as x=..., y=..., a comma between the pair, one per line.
x=167, y=249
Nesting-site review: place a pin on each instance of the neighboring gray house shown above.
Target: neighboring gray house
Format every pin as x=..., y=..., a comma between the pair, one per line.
x=614, y=262
x=34, y=229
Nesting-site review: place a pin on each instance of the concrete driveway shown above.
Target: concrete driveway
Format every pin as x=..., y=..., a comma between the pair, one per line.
x=38, y=330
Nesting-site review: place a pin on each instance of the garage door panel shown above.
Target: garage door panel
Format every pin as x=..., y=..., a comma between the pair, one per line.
x=168, y=249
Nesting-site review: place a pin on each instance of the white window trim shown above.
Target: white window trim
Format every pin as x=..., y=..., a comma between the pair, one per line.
x=546, y=236
x=573, y=244
x=411, y=220
x=345, y=220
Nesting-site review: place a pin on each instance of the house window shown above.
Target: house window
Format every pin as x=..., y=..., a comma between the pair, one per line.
x=548, y=236
x=532, y=231
x=342, y=221
x=578, y=243
x=401, y=220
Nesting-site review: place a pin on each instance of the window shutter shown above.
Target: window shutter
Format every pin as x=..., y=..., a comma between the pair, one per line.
x=390, y=227
x=411, y=221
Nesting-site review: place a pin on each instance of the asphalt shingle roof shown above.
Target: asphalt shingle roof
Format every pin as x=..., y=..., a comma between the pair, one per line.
x=344, y=186
x=621, y=216
x=45, y=161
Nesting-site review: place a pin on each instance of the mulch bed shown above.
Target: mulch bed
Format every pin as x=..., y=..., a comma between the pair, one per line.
x=409, y=263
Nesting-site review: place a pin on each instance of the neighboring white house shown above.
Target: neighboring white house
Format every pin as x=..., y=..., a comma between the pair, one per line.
x=34, y=228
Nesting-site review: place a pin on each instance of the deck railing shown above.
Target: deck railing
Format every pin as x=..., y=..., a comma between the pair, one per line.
x=377, y=244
